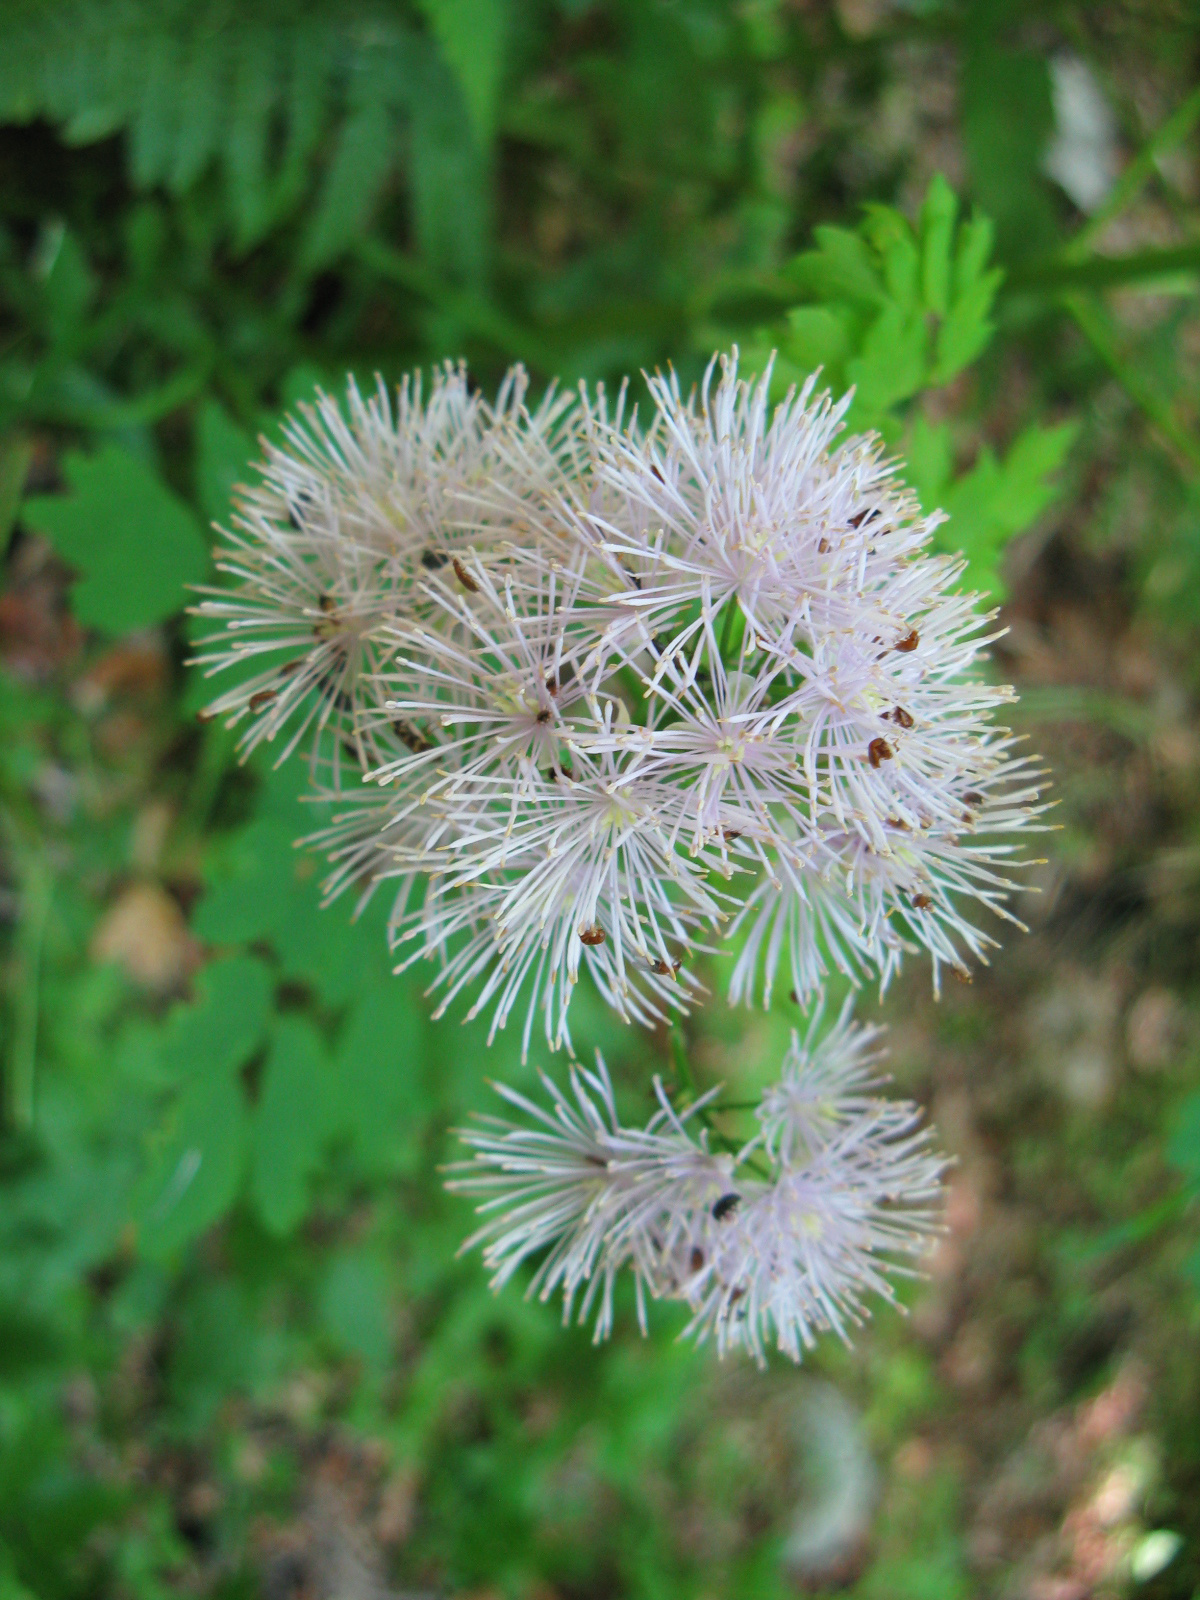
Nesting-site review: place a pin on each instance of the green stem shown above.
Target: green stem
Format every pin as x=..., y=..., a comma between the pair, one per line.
x=731, y=634
x=1173, y=131
x=1091, y=324
x=1105, y=272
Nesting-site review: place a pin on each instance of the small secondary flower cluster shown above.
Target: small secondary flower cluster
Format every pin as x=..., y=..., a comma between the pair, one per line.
x=621, y=691
x=775, y=1241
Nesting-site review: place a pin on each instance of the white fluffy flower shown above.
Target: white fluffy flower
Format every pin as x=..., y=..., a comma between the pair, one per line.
x=772, y=1242
x=595, y=1195
x=621, y=691
x=330, y=545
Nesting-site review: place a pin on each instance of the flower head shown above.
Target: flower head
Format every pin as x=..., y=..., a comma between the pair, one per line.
x=774, y=1241
x=620, y=691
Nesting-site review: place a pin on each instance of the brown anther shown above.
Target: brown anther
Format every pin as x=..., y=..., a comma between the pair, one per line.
x=961, y=974
x=551, y=684
x=263, y=698
x=592, y=936
x=290, y=667
x=909, y=642
x=726, y=1206
x=665, y=969
x=973, y=797
x=433, y=560
x=898, y=822
x=206, y=716
x=859, y=517
x=464, y=577
x=327, y=603
x=793, y=997
x=902, y=718
x=696, y=1259
x=878, y=750
x=921, y=902
x=823, y=546
x=730, y=834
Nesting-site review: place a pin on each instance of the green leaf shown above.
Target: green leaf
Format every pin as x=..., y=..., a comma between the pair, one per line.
x=819, y=336
x=841, y=268
x=197, y=1169
x=291, y=1123
x=136, y=544
x=891, y=365
x=223, y=454
x=226, y=1023
x=201, y=94
x=967, y=328
x=449, y=175
x=937, y=239
x=266, y=889
x=993, y=502
x=152, y=137
x=354, y=1307
x=472, y=35
x=381, y=1098
x=930, y=461
x=246, y=142
x=1183, y=1147
x=363, y=157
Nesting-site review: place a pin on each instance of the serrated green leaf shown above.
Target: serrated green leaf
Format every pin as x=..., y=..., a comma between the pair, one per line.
x=135, y=543
x=267, y=890
x=381, y=1102
x=364, y=155
x=993, y=502
x=223, y=1027
x=472, y=35
x=202, y=92
x=223, y=455
x=1033, y=458
x=308, y=99
x=291, y=1124
x=255, y=88
x=929, y=461
x=975, y=241
x=902, y=271
x=938, y=214
x=841, y=268
x=892, y=363
x=449, y=174
x=820, y=336
x=152, y=136
x=966, y=330
x=197, y=1169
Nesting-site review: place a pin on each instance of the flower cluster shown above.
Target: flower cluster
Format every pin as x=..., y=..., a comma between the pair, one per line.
x=620, y=691
x=774, y=1241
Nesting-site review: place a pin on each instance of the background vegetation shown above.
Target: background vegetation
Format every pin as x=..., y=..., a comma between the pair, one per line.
x=237, y=1353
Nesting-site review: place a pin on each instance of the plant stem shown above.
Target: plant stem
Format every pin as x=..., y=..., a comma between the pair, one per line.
x=1091, y=324
x=1173, y=131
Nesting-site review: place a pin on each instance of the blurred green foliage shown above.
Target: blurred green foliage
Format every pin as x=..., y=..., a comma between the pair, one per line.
x=224, y=1238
